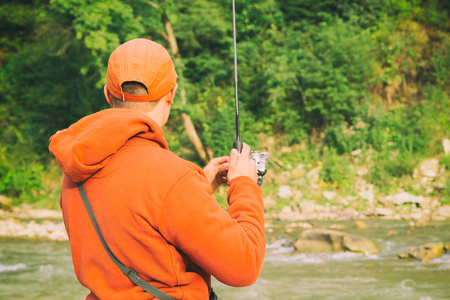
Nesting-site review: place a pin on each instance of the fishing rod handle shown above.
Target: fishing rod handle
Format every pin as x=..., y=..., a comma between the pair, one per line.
x=238, y=145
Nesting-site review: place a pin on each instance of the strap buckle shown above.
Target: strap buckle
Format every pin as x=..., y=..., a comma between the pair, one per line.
x=132, y=274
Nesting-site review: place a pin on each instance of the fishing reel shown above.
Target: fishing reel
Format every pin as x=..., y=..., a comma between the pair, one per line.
x=261, y=164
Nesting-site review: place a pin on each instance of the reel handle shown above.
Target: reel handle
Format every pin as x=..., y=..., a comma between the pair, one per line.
x=260, y=180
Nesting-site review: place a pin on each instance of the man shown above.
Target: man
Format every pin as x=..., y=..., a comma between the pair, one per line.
x=155, y=210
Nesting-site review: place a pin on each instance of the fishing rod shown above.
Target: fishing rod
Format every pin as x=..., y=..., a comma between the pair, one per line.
x=238, y=143
x=259, y=157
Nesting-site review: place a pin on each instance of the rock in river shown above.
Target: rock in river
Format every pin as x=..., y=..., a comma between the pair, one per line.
x=360, y=224
x=425, y=253
x=325, y=240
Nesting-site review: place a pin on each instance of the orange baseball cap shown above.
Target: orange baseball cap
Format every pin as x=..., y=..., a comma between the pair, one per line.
x=143, y=61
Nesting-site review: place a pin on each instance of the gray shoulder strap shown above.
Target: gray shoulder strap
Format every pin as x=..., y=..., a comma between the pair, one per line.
x=131, y=274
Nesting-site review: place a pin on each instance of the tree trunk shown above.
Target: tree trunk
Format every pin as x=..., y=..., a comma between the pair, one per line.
x=185, y=118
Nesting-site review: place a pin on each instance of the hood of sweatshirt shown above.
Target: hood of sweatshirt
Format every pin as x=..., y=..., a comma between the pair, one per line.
x=87, y=146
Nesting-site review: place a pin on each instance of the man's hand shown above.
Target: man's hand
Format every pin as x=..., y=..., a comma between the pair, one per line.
x=242, y=164
x=216, y=171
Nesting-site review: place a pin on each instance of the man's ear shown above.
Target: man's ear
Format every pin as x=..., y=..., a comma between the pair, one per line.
x=172, y=94
x=108, y=96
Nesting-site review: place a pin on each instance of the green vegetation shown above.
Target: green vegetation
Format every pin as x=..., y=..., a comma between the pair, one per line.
x=325, y=78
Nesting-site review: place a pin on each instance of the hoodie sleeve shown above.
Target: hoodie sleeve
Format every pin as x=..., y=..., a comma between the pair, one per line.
x=229, y=246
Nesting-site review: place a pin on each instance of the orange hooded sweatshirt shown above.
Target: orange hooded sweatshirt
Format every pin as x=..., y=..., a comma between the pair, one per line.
x=155, y=211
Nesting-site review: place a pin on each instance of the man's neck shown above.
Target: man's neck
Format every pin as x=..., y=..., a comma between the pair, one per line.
x=159, y=114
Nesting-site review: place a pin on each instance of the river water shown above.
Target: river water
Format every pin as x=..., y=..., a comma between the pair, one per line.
x=43, y=270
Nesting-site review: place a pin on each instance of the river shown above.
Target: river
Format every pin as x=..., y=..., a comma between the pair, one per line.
x=43, y=270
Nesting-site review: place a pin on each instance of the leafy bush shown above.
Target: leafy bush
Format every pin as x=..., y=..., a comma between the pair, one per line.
x=219, y=128
x=319, y=77
x=22, y=183
x=315, y=12
x=337, y=169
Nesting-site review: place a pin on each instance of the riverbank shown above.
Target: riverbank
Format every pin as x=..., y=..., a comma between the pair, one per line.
x=294, y=194
x=27, y=222
x=304, y=191
x=403, y=206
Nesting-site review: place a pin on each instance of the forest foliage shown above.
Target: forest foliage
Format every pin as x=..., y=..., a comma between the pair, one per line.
x=334, y=76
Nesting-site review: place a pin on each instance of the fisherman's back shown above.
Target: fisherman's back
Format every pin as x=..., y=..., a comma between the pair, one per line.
x=127, y=196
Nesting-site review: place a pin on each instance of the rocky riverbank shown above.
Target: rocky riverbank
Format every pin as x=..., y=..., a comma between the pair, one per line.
x=302, y=195
x=46, y=230
x=293, y=194
x=26, y=222
x=400, y=206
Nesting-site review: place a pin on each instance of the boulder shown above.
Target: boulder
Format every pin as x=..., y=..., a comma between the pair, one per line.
x=429, y=168
x=359, y=244
x=285, y=192
x=427, y=175
x=287, y=213
x=301, y=225
x=446, y=145
x=425, y=253
x=298, y=196
x=360, y=225
x=404, y=197
x=313, y=175
x=417, y=215
x=347, y=213
x=326, y=240
x=444, y=211
x=368, y=195
x=307, y=207
x=320, y=236
x=329, y=195
x=384, y=211
x=312, y=246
